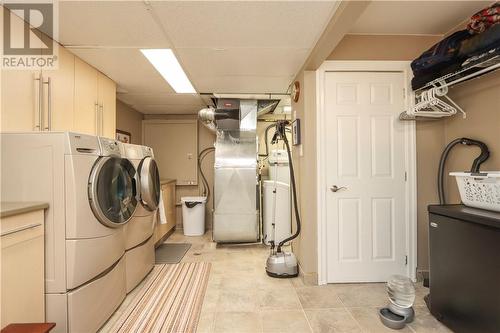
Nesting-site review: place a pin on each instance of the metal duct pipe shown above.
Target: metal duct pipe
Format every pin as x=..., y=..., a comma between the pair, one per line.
x=266, y=106
x=207, y=118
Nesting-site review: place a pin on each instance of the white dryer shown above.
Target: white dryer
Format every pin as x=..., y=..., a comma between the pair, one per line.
x=91, y=191
x=139, y=240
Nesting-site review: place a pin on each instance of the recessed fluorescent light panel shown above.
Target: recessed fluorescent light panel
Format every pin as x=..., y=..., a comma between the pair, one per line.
x=167, y=65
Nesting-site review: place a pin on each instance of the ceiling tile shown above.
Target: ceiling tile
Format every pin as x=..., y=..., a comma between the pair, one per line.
x=160, y=98
x=415, y=17
x=127, y=67
x=168, y=109
x=108, y=23
x=242, y=61
x=243, y=84
x=224, y=46
x=208, y=24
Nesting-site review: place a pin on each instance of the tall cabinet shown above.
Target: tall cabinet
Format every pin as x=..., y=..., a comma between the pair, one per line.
x=20, y=93
x=86, y=107
x=95, y=101
x=73, y=97
x=58, y=89
x=106, y=99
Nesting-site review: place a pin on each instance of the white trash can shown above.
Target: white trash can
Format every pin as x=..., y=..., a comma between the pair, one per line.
x=193, y=215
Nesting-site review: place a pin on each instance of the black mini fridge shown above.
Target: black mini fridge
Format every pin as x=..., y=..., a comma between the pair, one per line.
x=465, y=268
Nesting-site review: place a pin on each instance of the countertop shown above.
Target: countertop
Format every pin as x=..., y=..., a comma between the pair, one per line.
x=166, y=181
x=468, y=214
x=11, y=208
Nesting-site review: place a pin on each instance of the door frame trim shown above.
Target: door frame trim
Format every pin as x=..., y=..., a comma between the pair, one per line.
x=410, y=158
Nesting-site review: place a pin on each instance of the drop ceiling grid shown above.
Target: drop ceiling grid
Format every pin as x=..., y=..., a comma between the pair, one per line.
x=249, y=47
x=229, y=47
x=108, y=24
x=127, y=67
x=232, y=24
x=159, y=99
x=168, y=109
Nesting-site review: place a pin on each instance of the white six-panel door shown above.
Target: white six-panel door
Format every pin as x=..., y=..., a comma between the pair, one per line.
x=365, y=160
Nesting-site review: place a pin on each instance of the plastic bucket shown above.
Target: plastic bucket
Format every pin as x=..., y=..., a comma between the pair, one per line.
x=193, y=215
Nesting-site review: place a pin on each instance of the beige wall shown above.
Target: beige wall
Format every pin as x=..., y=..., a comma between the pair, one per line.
x=429, y=139
x=381, y=47
x=205, y=139
x=480, y=98
x=129, y=120
x=305, y=246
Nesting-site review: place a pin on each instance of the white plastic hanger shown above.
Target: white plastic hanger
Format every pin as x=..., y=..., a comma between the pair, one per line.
x=430, y=104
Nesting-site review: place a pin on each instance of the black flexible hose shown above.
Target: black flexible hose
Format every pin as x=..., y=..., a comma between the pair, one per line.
x=475, y=165
x=294, y=193
x=206, y=186
x=201, y=156
x=485, y=154
x=267, y=142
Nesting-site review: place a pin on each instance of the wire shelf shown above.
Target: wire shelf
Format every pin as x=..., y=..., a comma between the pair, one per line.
x=486, y=63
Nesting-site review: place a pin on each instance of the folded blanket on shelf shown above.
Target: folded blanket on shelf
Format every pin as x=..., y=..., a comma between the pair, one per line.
x=469, y=65
x=467, y=50
x=480, y=42
x=484, y=19
x=440, y=55
x=421, y=80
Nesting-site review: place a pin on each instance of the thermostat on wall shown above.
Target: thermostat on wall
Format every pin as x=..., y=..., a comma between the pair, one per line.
x=296, y=132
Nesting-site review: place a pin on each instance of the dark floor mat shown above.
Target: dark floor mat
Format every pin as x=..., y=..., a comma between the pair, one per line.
x=171, y=253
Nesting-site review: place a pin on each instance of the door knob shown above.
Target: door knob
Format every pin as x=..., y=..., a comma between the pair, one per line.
x=335, y=188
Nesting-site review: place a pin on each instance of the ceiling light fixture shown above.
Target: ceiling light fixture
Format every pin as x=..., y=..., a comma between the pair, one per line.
x=168, y=66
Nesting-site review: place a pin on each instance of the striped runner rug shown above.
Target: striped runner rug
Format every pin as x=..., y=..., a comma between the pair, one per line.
x=169, y=301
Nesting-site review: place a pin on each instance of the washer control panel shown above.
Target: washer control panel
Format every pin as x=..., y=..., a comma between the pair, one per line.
x=110, y=147
x=147, y=151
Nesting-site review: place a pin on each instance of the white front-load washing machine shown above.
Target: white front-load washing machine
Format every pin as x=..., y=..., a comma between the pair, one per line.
x=139, y=240
x=91, y=191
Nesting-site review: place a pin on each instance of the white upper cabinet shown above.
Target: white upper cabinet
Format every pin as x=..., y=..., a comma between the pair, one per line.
x=86, y=106
x=20, y=91
x=107, y=106
x=95, y=101
x=59, y=90
x=72, y=97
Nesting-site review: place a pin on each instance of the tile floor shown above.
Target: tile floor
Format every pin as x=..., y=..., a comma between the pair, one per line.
x=241, y=298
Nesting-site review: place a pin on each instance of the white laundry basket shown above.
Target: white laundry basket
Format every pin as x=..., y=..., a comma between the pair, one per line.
x=479, y=190
x=193, y=215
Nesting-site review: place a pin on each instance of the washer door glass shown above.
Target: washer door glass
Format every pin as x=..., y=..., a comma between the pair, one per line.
x=150, y=183
x=113, y=191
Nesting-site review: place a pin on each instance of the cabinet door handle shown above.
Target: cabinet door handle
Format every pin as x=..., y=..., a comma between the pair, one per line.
x=39, y=101
x=96, y=109
x=101, y=109
x=49, y=104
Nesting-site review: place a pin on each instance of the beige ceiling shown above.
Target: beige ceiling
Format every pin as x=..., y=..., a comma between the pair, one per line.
x=415, y=17
x=224, y=46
